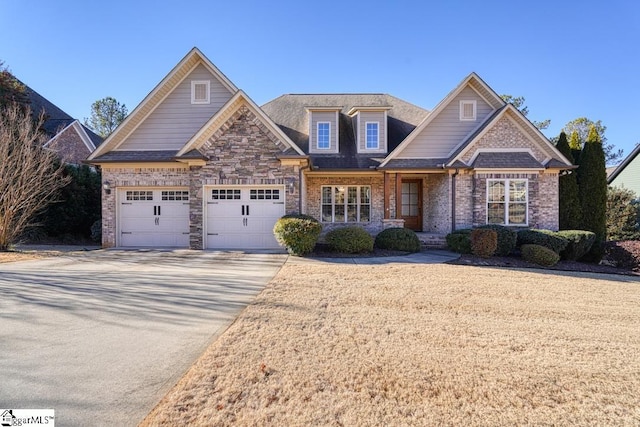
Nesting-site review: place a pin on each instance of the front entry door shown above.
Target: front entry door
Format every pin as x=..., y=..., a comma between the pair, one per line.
x=411, y=208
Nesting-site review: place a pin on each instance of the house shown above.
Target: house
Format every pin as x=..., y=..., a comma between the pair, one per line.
x=71, y=140
x=198, y=164
x=627, y=174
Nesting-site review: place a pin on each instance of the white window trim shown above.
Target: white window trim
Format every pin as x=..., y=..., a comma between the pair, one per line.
x=193, y=91
x=377, y=147
x=318, y=136
x=346, y=204
x=468, y=102
x=507, y=201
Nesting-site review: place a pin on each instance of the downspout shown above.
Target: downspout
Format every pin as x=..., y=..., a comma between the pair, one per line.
x=308, y=166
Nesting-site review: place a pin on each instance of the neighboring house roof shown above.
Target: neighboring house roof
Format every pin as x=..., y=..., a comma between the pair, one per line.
x=90, y=139
x=158, y=94
x=613, y=175
x=289, y=112
x=55, y=118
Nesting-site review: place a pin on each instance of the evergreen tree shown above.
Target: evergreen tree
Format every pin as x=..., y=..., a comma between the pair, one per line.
x=570, y=213
x=575, y=145
x=592, y=184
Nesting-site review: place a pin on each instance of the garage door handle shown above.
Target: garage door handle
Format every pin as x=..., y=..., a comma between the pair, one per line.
x=247, y=209
x=242, y=209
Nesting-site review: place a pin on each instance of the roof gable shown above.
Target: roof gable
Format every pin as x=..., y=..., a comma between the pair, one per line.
x=80, y=130
x=216, y=123
x=151, y=102
x=511, y=122
x=472, y=82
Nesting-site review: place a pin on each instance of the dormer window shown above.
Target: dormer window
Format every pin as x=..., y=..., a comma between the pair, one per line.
x=200, y=91
x=372, y=130
x=467, y=110
x=324, y=135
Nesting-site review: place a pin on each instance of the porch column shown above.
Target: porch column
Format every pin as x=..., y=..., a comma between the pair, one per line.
x=387, y=196
x=398, y=195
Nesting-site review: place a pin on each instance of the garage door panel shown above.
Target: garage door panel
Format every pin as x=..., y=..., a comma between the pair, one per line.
x=154, y=217
x=243, y=217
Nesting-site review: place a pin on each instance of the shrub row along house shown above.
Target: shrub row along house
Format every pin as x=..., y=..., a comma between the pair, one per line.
x=198, y=164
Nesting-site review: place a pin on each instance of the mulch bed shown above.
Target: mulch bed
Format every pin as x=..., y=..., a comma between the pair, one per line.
x=517, y=262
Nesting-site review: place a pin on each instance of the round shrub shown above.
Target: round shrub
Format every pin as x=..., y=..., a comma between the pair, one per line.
x=460, y=241
x=540, y=255
x=484, y=242
x=507, y=238
x=579, y=243
x=547, y=238
x=349, y=240
x=625, y=254
x=298, y=233
x=398, y=239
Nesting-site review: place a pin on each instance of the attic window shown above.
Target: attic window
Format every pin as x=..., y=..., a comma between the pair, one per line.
x=200, y=91
x=467, y=110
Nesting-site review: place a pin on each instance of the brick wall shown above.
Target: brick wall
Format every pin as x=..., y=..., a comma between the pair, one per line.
x=314, y=200
x=70, y=147
x=436, y=204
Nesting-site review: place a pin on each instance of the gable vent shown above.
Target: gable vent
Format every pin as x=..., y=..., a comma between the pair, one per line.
x=200, y=91
x=467, y=110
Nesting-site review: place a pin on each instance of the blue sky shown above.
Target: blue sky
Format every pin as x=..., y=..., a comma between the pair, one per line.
x=567, y=58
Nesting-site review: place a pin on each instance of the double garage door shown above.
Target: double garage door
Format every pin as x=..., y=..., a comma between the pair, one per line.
x=234, y=217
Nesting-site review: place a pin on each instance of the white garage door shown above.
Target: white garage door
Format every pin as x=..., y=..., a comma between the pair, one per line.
x=243, y=217
x=154, y=217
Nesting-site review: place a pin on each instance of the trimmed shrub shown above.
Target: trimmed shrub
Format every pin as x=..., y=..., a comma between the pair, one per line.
x=349, y=240
x=625, y=254
x=484, y=242
x=398, y=239
x=298, y=233
x=507, y=238
x=540, y=255
x=460, y=241
x=547, y=238
x=578, y=243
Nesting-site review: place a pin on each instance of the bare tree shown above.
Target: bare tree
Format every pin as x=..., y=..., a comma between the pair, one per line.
x=30, y=175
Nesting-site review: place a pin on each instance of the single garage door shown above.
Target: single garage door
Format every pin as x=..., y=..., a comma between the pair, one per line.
x=154, y=217
x=243, y=217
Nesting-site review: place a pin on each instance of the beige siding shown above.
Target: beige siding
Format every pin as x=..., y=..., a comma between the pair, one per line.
x=446, y=130
x=323, y=116
x=372, y=116
x=176, y=120
x=629, y=177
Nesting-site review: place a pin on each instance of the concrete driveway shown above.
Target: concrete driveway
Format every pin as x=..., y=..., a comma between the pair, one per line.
x=101, y=336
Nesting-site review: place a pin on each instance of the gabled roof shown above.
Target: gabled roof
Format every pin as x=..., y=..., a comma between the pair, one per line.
x=624, y=164
x=221, y=117
x=55, y=118
x=158, y=94
x=90, y=139
x=290, y=113
x=530, y=131
x=472, y=80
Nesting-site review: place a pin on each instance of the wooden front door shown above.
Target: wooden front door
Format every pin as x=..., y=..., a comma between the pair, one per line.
x=411, y=204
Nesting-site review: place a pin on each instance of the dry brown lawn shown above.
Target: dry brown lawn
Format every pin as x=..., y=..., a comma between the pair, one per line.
x=11, y=256
x=401, y=344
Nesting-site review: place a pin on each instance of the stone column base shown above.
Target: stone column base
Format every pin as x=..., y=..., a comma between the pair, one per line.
x=392, y=223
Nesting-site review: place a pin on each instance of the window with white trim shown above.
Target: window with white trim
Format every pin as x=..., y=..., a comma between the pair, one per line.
x=467, y=110
x=200, y=90
x=372, y=135
x=507, y=201
x=139, y=195
x=346, y=203
x=264, y=194
x=175, y=195
x=324, y=135
x=225, y=194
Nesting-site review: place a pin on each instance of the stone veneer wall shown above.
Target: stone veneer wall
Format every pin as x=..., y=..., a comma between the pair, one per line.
x=120, y=178
x=436, y=201
x=314, y=200
x=543, y=198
